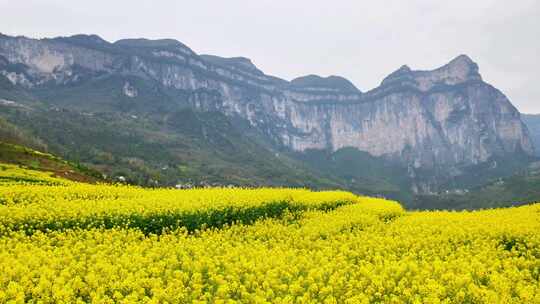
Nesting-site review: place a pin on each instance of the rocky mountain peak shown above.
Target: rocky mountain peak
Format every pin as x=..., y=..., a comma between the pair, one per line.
x=403, y=72
x=242, y=63
x=160, y=44
x=403, y=69
x=318, y=83
x=80, y=40
x=459, y=70
x=463, y=60
x=88, y=38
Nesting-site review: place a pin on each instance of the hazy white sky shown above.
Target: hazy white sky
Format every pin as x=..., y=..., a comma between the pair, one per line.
x=361, y=40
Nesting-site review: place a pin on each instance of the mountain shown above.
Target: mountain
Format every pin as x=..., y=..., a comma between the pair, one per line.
x=432, y=129
x=533, y=124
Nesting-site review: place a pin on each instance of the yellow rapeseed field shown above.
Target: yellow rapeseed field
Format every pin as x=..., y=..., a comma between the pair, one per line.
x=65, y=242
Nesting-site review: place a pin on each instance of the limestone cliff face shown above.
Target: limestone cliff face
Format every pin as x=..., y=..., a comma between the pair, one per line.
x=444, y=118
x=447, y=116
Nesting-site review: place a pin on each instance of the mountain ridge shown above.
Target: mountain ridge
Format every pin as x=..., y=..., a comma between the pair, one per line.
x=434, y=123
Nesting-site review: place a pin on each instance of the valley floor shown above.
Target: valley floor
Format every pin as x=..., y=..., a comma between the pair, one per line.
x=64, y=241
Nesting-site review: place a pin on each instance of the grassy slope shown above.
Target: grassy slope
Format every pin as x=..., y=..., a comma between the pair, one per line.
x=19, y=147
x=518, y=189
x=28, y=158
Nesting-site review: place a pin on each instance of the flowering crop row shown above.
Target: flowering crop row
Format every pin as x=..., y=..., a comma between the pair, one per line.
x=348, y=255
x=48, y=208
x=15, y=175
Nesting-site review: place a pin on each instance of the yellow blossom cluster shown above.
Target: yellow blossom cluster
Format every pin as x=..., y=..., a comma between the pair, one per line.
x=365, y=250
x=15, y=175
x=33, y=208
